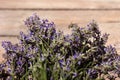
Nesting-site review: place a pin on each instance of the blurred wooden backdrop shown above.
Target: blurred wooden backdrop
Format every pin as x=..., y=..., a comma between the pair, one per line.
x=63, y=12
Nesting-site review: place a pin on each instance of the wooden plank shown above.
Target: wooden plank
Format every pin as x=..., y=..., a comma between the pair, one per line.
x=11, y=22
x=60, y=4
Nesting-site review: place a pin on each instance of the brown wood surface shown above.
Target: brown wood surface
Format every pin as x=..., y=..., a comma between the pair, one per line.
x=12, y=22
x=61, y=4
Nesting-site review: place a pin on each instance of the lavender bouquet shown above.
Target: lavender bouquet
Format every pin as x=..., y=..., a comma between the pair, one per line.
x=46, y=54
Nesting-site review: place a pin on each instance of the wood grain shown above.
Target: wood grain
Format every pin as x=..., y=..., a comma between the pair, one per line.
x=59, y=4
x=12, y=22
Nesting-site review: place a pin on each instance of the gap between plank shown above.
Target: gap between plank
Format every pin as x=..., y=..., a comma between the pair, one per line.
x=62, y=9
x=8, y=35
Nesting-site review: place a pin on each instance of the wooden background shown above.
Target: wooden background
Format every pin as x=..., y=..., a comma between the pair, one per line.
x=63, y=12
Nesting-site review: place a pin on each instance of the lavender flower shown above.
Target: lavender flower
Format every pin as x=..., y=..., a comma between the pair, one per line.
x=93, y=74
x=61, y=62
x=74, y=74
x=6, y=45
x=110, y=50
x=47, y=54
x=2, y=67
x=105, y=37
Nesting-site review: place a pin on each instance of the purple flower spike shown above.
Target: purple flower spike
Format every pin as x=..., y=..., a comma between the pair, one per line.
x=20, y=62
x=61, y=62
x=45, y=53
x=79, y=62
x=7, y=45
x=92, y=73
x=74, y=74
x=75, y=56
x=110, y=50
